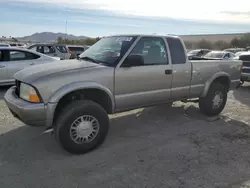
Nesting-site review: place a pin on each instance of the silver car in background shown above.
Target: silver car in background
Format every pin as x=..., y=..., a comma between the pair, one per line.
x=219, y=55
x=54, y=50
x=76, y=50
x=14, y=59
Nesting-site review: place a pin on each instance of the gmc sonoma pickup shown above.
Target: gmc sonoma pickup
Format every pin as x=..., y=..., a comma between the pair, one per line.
x=118, y=73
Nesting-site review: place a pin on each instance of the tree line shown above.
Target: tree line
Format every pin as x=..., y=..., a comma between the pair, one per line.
x=88, y=41
x=241, y=42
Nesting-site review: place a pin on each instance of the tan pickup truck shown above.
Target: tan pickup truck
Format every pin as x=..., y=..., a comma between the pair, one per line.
x=118, y=73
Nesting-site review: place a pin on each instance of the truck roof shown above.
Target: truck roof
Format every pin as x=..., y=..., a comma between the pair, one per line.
x=145, y=35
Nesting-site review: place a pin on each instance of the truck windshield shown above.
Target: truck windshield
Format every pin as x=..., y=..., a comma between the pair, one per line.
x=109, y=50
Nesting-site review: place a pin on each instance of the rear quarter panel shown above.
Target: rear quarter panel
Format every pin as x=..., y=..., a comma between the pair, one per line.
x=205, y=71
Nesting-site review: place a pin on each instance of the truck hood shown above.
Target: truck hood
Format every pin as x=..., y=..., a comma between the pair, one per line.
x=35, y=72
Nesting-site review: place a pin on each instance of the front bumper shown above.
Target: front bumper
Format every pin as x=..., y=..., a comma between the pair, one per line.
x=33, y=114
x=245, y=77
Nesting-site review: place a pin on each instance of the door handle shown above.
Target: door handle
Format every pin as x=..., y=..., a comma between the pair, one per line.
x=168, y=71
x=2, y=66
x=31, y=63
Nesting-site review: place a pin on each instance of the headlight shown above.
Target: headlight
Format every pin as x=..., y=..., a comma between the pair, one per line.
x=28, y=93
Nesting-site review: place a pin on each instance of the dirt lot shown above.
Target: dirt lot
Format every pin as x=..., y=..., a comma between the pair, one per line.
x=154, y=147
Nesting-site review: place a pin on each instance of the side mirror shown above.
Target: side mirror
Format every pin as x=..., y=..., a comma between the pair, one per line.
x=133, y=61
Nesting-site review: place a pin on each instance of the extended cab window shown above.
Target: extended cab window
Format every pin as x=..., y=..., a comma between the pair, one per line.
x=177, y=51
x=152, y=49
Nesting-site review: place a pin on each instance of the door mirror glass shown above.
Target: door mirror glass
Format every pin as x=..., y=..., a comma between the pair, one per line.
x=133, y=61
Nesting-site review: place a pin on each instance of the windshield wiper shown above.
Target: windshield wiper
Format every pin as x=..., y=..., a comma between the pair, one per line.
x=89, y=59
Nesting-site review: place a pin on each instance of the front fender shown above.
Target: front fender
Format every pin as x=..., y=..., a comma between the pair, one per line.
x=210, y=81
x=78, y=86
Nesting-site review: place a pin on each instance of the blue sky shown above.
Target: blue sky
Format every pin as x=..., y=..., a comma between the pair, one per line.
x=104, y=17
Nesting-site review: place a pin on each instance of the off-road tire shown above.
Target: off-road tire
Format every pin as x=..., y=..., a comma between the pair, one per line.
x=69, y=114
x=206, y=103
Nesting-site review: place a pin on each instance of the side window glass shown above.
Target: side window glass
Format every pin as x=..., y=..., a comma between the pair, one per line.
x=1, y=56
x=30, y=56
x=40, y=49
x=49, y=50
x=152, y=50
x=62, y=49
x=17, y=55
x=22, y=55
x=33, y=48
x=177, y=51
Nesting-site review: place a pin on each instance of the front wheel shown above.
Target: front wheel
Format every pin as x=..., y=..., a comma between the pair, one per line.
x=81, y=127
x=215, y=101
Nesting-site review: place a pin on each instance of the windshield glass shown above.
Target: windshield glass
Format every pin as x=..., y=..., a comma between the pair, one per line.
x=214, y=55
x=238, y=53
x=193, y=52
x=109, y=50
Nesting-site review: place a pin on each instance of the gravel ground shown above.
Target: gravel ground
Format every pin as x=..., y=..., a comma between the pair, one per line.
x=153, y=147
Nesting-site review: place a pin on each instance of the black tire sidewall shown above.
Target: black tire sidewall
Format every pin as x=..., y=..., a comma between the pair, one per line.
x=206, y=103
x=70, y=114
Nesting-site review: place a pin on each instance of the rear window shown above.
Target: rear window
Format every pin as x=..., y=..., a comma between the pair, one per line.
x=177, y=51
x=72, y=48
x=12, y=44
x=62, y=49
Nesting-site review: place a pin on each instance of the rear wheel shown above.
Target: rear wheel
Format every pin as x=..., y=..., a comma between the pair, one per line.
x=81, y=127
x=215, y=101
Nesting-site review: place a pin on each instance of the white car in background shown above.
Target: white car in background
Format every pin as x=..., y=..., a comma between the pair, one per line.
x=219, y=55
x=19, y=45
x=4, y=45
x=14, y=59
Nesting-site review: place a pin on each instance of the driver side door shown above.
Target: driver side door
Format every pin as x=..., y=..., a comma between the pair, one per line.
x=146, y=84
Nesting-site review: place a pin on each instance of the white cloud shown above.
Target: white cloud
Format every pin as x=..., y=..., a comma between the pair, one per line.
x=212, y=10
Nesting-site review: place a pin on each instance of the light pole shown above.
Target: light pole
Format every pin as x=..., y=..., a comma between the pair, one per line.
x=66, y=27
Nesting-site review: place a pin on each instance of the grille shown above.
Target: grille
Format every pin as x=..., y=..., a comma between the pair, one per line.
x=246, y=63
x=18, y=87
x=246, y=70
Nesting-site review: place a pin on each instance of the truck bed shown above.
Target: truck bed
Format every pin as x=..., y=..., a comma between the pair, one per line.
x=203, y=71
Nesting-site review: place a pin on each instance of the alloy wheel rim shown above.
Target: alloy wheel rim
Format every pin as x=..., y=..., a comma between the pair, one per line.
x=84, y=129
